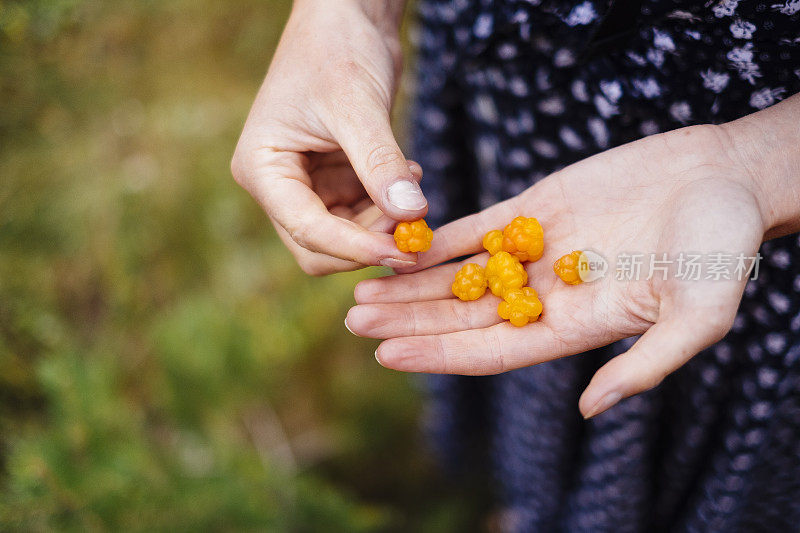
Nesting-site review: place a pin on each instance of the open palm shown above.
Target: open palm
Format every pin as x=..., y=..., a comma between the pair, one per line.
x=674, y=193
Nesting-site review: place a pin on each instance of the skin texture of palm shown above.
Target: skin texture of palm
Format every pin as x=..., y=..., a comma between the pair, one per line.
x=656, y=195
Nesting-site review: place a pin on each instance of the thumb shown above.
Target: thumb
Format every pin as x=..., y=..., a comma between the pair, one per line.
x=365, y=134
x=663, y=348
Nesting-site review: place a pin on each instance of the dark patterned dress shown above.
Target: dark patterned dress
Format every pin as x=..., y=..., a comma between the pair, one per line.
x=509, y=91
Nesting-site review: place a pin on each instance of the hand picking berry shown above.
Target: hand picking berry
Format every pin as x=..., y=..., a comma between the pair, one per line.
x=568, y=268
x=470, y=282
x=504, y=272
x=520, y=306
x=493, y=241
x=413, y=236
x=524, y=238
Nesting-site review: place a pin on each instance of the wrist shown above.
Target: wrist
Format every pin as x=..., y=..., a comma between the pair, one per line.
x=767, y=145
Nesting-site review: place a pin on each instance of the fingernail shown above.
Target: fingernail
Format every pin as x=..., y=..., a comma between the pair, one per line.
x=406, y=195
x=376, y=357
x=391, y=262
x=606, y=402
x=348, y=328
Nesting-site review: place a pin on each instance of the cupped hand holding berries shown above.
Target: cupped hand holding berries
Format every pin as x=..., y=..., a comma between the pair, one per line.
x=317, y=151
x=703, y=189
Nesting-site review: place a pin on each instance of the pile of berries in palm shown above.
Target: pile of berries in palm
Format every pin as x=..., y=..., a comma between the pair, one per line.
x=504, y=274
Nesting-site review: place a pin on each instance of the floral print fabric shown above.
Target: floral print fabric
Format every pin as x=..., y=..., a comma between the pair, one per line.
x=509, y=91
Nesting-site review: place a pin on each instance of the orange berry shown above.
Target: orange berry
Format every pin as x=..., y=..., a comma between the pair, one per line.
x=567, y=268
x=505, y=272
x=493, y=241
x=470, y=282
x=413, y=236
x=520, y=306
x=524, y=238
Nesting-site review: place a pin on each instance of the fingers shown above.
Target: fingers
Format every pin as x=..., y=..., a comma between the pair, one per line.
x=388, y=320
x=311, y=226
x=383, y=224
x=434, y=283
x=365, y=214
x=337, y=184
x=313, y=263
x=278, y=181
x=491, y=350
x=464, y=236
x=416, y=169
x=663, y=348
x=571, y=323
x=431, y=284
x=364, y=132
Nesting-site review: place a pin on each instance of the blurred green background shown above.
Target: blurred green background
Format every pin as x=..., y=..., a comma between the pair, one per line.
x=164, y=365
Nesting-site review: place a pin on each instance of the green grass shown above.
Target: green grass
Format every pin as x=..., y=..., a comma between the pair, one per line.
x=164, y=365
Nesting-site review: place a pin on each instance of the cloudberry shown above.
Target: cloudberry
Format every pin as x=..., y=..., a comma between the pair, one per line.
x=413, y=236
x=567, y=267
x=505, y=272
x=470, y=282
x=524, y=238
x=520, y=306
x=493, y=241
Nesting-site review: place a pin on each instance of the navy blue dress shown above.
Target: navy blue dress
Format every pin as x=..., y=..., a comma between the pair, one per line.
x=509, y=91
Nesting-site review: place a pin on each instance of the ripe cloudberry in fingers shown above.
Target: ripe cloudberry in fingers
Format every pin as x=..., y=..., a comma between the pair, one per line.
x=504, y=272
x=470, y=282
x=524, y=238
x=413, y=236
x=568, y=267
x=493, y=241
x=520, y=306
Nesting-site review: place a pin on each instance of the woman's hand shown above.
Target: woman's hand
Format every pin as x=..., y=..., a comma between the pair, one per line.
x=685, y=191
x=317, y=151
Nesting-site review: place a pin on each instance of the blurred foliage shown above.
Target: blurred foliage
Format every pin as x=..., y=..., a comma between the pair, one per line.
x=164, y=365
